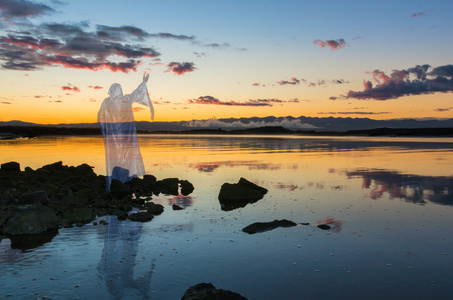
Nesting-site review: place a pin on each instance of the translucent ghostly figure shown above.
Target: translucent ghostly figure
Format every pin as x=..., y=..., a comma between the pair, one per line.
x=122, y=153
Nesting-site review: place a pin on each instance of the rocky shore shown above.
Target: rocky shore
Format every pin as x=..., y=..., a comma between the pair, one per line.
x=56, y=195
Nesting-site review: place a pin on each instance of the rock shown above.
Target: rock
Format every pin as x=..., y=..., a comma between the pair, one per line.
x=266, y=226
x=176, y=207
x=142, y=216
x=206, y=291
x=31, y=219
x=11, y=166
x=245, y=182
x=80, y=215
x=34, y=197
x=168, y=186
x=232, y=196
x=153, y=208
x=324, y=227
x=56, y=166
x=119, y=189
x=30, y=241
x=186, y=187
x=4, y=216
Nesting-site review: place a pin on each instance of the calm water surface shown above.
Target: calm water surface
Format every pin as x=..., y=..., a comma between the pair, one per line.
x=391, y=199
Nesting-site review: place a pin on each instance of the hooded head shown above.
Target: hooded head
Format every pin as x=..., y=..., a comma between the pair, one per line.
x=115, y=90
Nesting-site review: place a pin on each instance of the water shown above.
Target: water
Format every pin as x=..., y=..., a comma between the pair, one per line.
x=391, y=199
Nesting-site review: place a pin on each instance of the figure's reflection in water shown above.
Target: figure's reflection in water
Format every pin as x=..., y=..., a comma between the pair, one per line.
x=411, y=188
x=118, y=260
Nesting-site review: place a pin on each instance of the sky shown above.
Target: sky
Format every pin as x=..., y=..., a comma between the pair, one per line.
x=227, y=59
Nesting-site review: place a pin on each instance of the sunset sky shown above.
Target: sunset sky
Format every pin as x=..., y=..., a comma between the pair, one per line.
x=221, y=59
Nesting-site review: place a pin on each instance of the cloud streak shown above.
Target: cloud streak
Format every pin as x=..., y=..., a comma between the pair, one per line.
x=215, y=123
x=421, y=79
x=332, y=44
x=209, y=100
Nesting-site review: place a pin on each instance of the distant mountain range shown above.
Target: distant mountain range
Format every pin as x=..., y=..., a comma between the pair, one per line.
x=312, y=124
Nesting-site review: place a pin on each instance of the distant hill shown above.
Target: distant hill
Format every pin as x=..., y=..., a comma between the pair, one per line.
x=302, y=123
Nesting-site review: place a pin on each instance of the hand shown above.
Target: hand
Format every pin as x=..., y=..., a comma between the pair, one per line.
x=145, y=77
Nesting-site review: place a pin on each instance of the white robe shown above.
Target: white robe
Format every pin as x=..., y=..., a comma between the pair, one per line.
x=122, y=153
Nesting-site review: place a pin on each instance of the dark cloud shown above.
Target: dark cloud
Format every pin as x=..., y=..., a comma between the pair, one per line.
x=5, y=102
x=413, y=81
x=70, y=88
x=416, y=15
x=258, y=84
x=10, y=9
x=332, y=44
x=181, y=68
x=70, y=46
x=180, y=37
x=120, y=33
x=293, y=81
x=251, y=102
x=443, y=109
x=353, y=113
x=96, y=87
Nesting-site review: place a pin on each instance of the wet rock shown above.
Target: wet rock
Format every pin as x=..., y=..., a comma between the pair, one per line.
x=31, y=219
x=153, y=208
x=168, y=186
x=232, y=196
x=176, y=207
x=119, y=189
x=267, y=226
x=207, y=291
x=142, y=216
x=30, y=241
x=324, y=227
x=34, y=197
x=80, y=215
x=186, y=187
x=10, y=166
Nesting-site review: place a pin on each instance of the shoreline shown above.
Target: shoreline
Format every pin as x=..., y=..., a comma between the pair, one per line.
x=14, y=132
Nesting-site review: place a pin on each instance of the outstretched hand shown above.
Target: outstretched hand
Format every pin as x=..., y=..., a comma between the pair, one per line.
x=145, y=77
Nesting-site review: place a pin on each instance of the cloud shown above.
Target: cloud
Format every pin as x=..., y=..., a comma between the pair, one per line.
x=137, y=109
x=209, y=100
x=293, y=81
x=294, y=124
x=332, y=44
x=5, y=102
x=96, y=87
x=10, y=9
x=443, y=109
x=70, y=88
x=416, y=15
x=413, y=81
x=181, y=68
x=353, y=113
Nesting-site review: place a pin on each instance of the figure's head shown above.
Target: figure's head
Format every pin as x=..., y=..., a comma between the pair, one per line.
x=115, y=90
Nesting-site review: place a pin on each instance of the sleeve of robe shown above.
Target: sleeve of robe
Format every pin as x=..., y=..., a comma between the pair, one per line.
x=140, y=95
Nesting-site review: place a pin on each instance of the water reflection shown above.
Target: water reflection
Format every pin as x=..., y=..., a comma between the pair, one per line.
x=119, y=259
x=411, y=188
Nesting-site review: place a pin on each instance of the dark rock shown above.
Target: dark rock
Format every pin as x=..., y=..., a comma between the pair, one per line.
x=324, y=227
x=153, y=208
x=119, y=189
x=206, y=291
x=245, y=182
x=11, y=166
x=240, y=194
x=103, y=222
x=305, y=224
x=142, y=216
x=4, y=216
x=5, y=200
x=56, y=166
x=31, y=219
x=186, y=187
x=168, y=186
x=177, y=207
x=34, y=197
x=30, y=241
x=266, y=226
x=80, y=215
x=85, y=170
